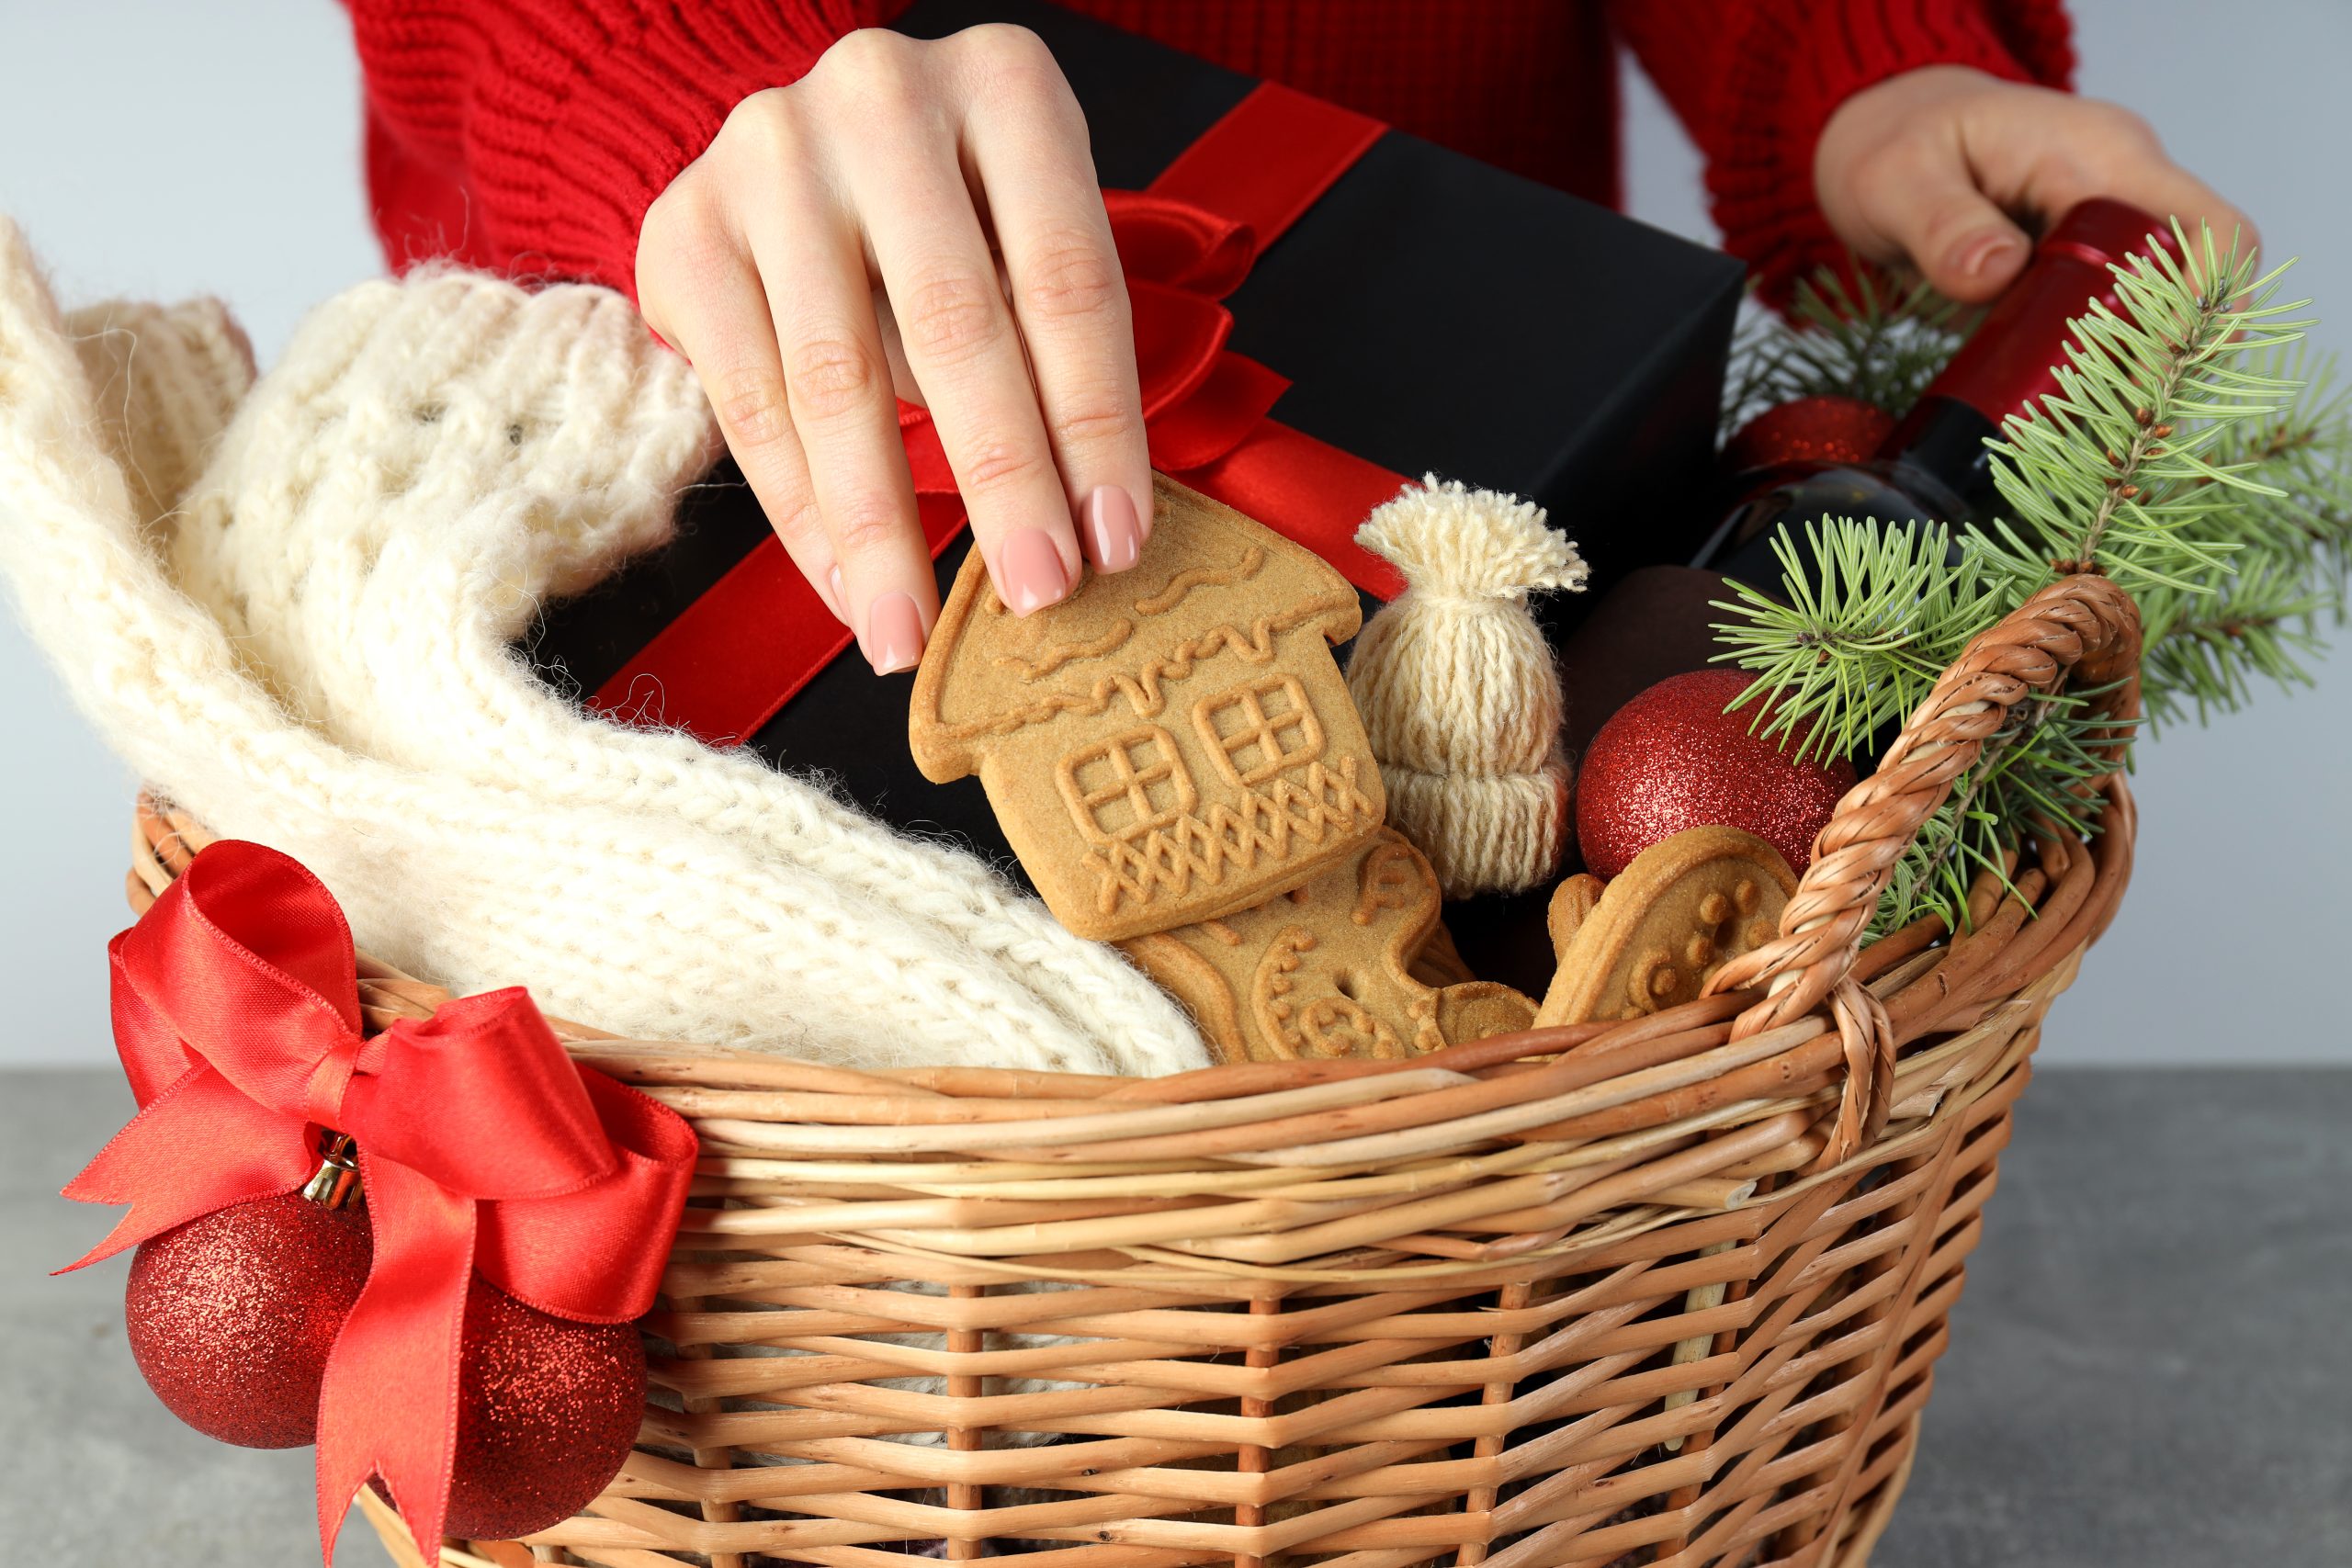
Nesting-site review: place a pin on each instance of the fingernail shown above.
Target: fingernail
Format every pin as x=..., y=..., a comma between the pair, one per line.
x=1980, y=254
x=893, y=639
x=1029, y=571
x=835, y=602
x=1114, y=532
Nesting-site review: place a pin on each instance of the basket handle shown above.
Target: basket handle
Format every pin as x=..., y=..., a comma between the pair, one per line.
x=2083, y=629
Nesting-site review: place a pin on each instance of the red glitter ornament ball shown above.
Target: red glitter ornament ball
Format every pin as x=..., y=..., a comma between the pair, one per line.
x=230, y=1316
x=1673, y=759
x=547, y=1411
x=1810, y=430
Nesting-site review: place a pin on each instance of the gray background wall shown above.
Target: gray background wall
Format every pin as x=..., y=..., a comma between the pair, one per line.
x=159, y=150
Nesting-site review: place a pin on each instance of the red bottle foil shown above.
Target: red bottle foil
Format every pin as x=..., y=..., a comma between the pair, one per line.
x=2007, y=363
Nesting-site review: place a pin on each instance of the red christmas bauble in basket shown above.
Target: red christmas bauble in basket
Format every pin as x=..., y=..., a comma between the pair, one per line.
x=1673, y=759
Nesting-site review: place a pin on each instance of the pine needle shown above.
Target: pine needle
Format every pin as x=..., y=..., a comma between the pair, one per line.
x=1874, y=339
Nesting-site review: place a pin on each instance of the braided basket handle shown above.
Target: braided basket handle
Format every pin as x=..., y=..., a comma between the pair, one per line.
x=2084, y=630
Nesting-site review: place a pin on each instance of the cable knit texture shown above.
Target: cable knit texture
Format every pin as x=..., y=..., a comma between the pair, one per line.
x=1457, y=687
x=290, y=609
x=529, y=136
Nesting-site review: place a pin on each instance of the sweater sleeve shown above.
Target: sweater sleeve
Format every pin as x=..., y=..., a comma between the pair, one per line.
x=1754, y=81
x=529, y=136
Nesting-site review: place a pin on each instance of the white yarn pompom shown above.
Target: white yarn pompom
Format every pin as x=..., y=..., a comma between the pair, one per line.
x=1453, y=542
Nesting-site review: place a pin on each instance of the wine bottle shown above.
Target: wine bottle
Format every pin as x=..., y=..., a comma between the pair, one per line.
x=1934, y=464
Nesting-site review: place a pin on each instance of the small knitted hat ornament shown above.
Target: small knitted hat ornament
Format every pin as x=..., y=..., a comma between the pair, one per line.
x=1457, y=685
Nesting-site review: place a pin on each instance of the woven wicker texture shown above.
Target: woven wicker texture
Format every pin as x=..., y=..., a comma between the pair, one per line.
x=1668, y=1291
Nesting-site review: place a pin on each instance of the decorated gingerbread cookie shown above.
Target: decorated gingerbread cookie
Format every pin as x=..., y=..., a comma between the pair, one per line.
x=1664, y=925
x=1571, y=906
x=1171, y=743
x=1473, y=1010
x=1438, y=963
x=1324, y=970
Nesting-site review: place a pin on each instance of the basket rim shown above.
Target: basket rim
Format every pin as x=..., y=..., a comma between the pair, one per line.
x=1525, y=1146
x=1672, y=1101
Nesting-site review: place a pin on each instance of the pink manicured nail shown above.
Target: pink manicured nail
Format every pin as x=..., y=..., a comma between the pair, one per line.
x=1029, y=571
x=1979, y=256
x=893, y=639
x=1113, y=533
x=833, y=602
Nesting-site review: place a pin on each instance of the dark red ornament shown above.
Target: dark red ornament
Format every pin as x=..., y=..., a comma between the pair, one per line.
x=230, y=1316
x=1673, y=759
x=547, y=1412
x=1811, y=430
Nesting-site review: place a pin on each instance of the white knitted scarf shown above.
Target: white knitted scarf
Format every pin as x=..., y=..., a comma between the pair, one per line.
x=289, y=605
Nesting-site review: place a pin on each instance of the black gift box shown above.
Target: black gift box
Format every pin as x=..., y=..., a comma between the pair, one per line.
x=1432, y=313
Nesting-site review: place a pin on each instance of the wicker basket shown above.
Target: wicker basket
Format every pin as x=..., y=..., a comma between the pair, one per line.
x=1668, y=1291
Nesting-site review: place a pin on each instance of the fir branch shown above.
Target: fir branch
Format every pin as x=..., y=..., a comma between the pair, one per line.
x=2114, y=471
x=2263, y=622
x=2036, y=771
x=1863, y=636
x=2265, y=614
x=2185, y=453
x=1876, y=340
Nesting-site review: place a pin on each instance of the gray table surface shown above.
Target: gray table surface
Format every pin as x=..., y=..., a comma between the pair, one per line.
x=2152, y=1366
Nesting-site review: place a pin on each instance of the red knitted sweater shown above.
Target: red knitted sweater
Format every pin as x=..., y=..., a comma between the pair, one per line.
x=529, y=136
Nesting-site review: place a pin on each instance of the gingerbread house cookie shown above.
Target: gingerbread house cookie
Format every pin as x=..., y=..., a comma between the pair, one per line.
x=1169, y=744
x=1324, y=970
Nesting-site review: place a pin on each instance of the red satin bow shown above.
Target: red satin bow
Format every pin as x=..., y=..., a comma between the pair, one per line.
x=1200, y=401
x=749, y=644
x=482, y=1145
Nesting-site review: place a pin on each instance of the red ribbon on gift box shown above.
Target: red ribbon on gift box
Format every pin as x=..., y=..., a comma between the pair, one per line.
x=482, y=1147
x=749, y=644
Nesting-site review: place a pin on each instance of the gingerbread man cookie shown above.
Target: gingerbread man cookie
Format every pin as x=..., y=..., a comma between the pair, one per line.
x=1663, y=926
x=1571, y=906
x=1324, y=970
x=1438, y=963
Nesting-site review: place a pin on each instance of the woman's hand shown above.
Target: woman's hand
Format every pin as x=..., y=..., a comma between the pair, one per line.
x=917, y=216
x=1932, y=168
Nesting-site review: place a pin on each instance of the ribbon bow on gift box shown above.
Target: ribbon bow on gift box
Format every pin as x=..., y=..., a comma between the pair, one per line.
x=481, y=1145
x=746, y=646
